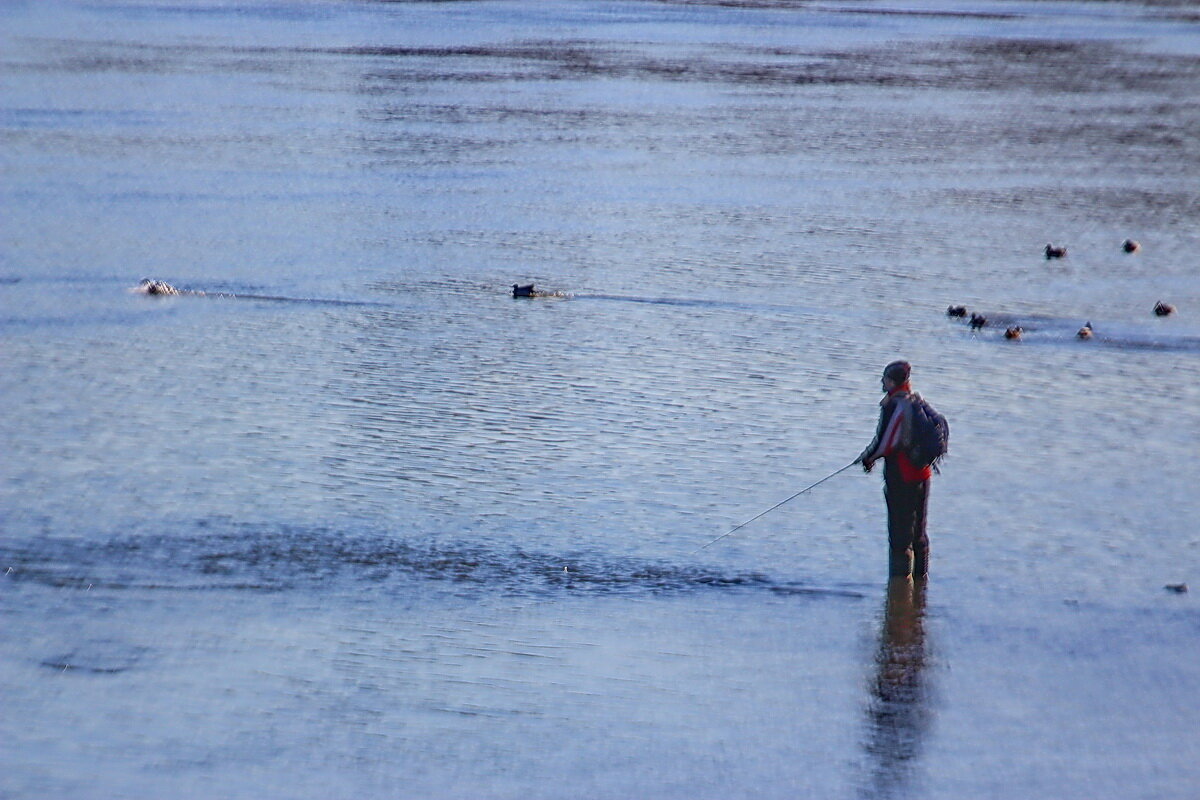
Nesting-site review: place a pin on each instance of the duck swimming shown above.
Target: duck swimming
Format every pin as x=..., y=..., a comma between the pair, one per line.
x=1130, y=246
x=1055, y=252
x=1162, y=309
x=147, y=286
x=528, y=290
x=978, y=321
x=1014, y=332
x=956, y=311
x=1086, y=331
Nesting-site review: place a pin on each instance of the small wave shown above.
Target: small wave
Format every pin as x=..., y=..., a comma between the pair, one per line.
x=692, y=302
x=162, y=289
x=97, y=657
x=312, y=301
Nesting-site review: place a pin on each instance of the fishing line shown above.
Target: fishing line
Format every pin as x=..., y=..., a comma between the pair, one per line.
x=777, y=505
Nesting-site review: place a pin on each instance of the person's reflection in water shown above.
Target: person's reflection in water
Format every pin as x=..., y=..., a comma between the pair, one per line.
x=899, y=710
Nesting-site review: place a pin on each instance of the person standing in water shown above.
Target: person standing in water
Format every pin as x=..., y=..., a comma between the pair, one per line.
x=905, y=485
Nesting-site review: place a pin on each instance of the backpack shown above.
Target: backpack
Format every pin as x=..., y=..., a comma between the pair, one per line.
x=930, y=434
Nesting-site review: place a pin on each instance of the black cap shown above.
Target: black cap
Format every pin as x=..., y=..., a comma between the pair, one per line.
x=898, y=371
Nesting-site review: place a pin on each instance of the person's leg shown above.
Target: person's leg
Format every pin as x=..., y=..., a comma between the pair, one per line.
x=900, y=528
x=920, y=540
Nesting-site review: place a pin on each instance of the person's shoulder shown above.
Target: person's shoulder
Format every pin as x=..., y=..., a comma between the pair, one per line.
x=901, y=402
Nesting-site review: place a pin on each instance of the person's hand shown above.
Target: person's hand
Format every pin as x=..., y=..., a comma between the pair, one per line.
x=867, y=464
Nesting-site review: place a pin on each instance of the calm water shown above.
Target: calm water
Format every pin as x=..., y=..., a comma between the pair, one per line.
x=370, y=527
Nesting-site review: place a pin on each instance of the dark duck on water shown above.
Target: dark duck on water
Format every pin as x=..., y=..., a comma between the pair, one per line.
x=529, y=290
x=147, y=286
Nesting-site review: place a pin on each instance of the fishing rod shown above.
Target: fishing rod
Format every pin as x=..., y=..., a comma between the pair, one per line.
x=777, y=505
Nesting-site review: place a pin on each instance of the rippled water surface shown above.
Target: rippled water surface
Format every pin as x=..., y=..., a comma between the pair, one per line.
x=347, y=519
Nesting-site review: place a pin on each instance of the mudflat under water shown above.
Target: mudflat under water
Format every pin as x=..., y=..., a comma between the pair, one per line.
x=357, y=523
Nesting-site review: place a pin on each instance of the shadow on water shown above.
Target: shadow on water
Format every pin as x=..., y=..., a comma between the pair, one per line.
x=898, y=713
x=284, y=559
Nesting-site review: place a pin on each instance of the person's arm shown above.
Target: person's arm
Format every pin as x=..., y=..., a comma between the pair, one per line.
x=887, y=435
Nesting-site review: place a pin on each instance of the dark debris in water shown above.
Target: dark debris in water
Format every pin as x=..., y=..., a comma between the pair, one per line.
x=282, y=559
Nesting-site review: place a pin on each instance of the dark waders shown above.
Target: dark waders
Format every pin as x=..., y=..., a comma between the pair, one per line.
x=908, y=542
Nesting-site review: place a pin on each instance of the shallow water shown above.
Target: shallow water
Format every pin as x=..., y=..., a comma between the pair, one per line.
x=359, y=522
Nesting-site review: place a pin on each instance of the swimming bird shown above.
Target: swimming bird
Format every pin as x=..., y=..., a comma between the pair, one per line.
x=1014, y=332
x=1162, y=309
x=147, y=286
x=1177, y=588
x=528, y=290
x=956, y=311
x=1055, y=252
x=1130, y=246
x=978, y=321
x=1086, y=331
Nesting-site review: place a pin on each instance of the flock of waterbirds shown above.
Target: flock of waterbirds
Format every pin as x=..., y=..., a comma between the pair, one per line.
x=977, y=321
x=1052, y=251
